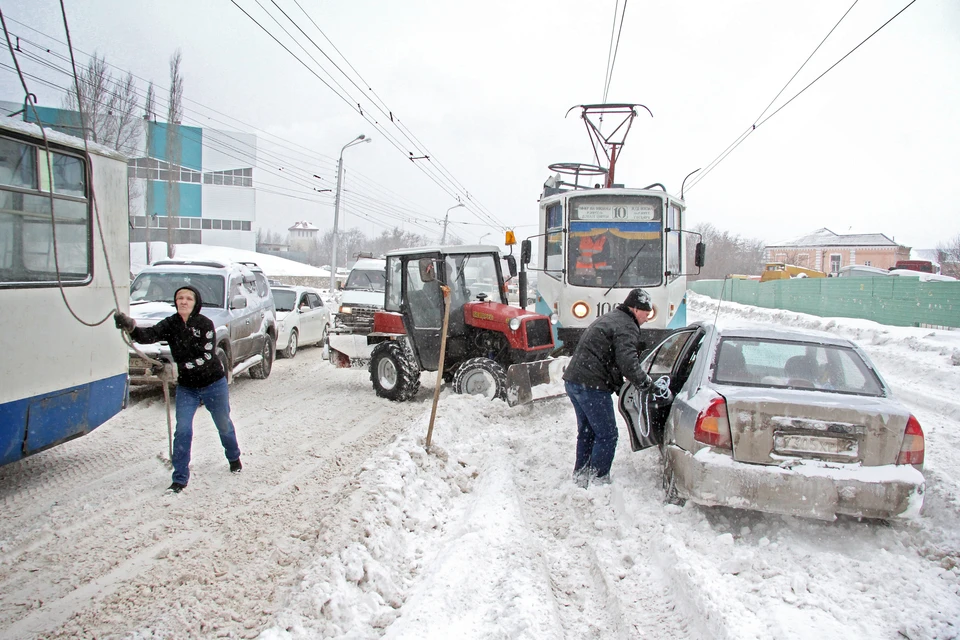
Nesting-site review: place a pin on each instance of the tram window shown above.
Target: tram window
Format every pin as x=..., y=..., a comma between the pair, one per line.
x=673, y=241
x=553, y=260
x=18, y=164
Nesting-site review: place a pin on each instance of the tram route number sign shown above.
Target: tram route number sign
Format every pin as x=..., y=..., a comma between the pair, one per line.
x=617, y=212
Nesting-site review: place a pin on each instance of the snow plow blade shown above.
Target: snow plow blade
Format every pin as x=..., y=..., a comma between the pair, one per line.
x=531, y=381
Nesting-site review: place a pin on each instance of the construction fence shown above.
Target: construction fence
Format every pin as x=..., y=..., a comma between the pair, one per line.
x=898, y=301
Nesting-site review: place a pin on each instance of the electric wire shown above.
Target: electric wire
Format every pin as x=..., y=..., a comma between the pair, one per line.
x=284, y=143
x=53, y=221
x=437, y=179
x=612, y=60
x=382, y=107
x=754, y=126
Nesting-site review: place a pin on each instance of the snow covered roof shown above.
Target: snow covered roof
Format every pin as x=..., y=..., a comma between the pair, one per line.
x=826, y=238
x=303, y=226
x=272, y=265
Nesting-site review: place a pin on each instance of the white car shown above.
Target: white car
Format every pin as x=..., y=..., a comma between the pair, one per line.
x=302, y=318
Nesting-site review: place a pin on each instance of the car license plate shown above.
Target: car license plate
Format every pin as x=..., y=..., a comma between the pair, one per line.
x=807, y=445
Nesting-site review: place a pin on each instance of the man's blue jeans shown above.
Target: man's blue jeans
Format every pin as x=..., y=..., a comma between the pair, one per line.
x=596, y=429
x=217, y=401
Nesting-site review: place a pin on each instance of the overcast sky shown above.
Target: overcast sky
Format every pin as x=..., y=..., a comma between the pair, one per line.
x=872, y=147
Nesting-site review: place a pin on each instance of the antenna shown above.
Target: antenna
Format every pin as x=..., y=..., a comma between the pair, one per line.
x=720, y=301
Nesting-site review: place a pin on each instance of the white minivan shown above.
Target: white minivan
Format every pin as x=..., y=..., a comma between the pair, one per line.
x=302, y=318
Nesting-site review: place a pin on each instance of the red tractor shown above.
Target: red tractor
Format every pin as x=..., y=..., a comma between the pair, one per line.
x=492, y=348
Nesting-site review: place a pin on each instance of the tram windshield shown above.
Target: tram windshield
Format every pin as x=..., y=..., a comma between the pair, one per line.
x=615, y=235
x=161, y=287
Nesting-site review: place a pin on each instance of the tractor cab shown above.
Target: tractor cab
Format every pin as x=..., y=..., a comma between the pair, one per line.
x=484, y=337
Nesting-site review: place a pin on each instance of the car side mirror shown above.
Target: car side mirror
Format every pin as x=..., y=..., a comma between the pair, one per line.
x=700, y=254
x=525, y=250
x=238, y=302
x=428, y=271
x=511, y=265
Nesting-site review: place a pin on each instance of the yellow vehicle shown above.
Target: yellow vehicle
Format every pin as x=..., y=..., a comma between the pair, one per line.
x=783, y=271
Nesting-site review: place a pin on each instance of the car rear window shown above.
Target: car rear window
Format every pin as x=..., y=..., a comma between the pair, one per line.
x=794, y=365
x=285, y=299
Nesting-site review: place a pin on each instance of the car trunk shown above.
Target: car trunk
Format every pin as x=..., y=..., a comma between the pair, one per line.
x=774, y=426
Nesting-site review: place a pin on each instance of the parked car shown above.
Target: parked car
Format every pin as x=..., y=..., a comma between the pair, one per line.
x=360, y=298
x=234, y=295
x=781, y=421
x=302, y=318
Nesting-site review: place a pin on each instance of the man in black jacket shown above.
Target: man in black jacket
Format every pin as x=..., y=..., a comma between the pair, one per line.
x=608, y=351
x=200, y=378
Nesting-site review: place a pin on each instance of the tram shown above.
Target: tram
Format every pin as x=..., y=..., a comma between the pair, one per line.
x=597, y=242
x=59, y=379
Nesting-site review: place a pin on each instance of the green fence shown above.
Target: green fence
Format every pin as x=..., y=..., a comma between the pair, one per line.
x=893, y=300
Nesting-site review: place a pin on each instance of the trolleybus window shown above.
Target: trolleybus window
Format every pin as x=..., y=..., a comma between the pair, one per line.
x=26, y=232
x=614, y=235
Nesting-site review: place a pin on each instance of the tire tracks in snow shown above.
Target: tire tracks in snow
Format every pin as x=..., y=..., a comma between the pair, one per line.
x=213, y=560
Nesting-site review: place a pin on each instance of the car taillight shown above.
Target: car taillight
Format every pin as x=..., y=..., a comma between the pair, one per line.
x=911, y=451
x=712, y=426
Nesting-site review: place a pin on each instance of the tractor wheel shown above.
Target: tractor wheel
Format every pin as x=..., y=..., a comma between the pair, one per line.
x=483, y=377
x=393, y=374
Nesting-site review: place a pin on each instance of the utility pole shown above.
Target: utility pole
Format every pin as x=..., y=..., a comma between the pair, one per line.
x=446, y=218
x=336, y=210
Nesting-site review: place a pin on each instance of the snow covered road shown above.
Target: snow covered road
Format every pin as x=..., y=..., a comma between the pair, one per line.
x=341, y=525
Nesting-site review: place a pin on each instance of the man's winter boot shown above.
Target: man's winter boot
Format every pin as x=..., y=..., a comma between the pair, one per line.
x=235, y=466
x=176, y=487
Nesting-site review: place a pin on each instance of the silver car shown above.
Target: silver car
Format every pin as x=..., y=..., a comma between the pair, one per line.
x=782, y=421
x=302, y=318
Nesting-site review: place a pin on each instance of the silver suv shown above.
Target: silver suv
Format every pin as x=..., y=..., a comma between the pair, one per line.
x=236, y=297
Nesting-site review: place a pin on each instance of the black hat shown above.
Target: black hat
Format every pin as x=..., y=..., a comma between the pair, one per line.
x=639, y=299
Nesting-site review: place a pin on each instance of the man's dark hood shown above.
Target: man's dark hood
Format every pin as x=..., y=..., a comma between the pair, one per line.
x=196, y=307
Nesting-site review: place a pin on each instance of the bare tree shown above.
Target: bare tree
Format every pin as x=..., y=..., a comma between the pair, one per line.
x=948, y=255
x=726, y=254
x=149, y=104
x=174, y=150
x=109, y=107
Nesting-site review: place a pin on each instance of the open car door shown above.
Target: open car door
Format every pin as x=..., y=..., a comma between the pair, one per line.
x=645, y=412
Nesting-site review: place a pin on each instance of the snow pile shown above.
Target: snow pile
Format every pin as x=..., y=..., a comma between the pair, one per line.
x=487, y=536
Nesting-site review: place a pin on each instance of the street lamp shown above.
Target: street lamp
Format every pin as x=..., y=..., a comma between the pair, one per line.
x=446, y=217
x=480, y=241
x=336, y=209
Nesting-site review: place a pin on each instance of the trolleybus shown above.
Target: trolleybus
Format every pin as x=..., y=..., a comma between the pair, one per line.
x=59, y=379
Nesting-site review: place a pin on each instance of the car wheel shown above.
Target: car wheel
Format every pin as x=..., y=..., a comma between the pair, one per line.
x=393, y=374
x=262, y=369
x=292, y=344
x=225, y=363
x=483, y=377
x=669, y=481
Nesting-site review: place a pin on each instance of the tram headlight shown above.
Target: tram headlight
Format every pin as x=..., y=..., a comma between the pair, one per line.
x=653, y=314
x=554, y=318
x=514, y=324
x=580, y=309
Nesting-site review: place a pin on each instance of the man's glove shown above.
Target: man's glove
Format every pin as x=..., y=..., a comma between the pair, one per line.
x=125, y=322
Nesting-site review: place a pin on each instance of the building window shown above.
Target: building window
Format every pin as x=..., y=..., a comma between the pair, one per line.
x=866, y=263
x=834, y=263
x=246, y=225
x=206, y=224
x=217, y=224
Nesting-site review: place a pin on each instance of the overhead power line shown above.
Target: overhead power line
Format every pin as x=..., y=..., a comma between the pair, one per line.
x=757, y=123
x=432, y=169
